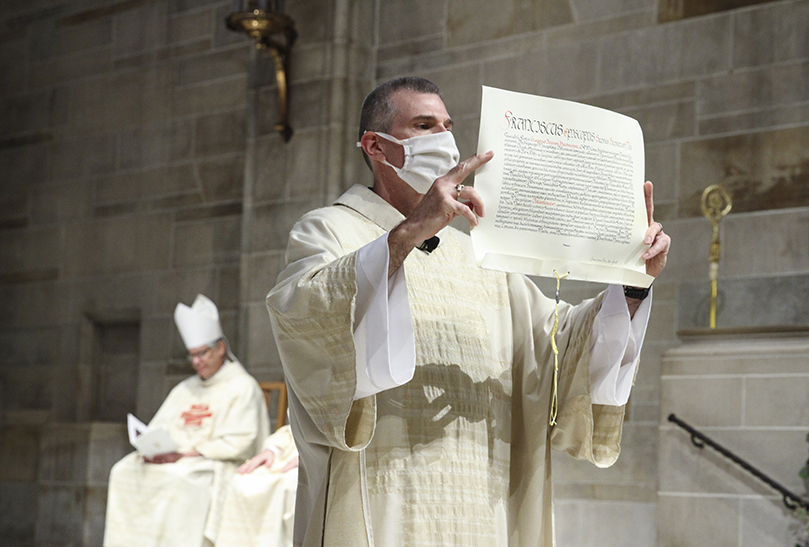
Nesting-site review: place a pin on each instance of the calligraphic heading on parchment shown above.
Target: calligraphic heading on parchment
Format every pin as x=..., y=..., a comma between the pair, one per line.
x=564, y=190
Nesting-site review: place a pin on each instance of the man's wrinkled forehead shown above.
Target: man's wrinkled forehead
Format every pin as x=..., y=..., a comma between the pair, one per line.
x=412, y=107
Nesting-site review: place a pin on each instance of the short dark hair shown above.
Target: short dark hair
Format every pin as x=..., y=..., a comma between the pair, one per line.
x=377, y=109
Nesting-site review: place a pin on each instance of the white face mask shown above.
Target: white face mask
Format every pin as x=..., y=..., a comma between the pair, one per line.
x=427, y=157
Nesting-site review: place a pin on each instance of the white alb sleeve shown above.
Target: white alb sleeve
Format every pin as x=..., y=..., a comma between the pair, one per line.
x=383, y=325
x=615, y=350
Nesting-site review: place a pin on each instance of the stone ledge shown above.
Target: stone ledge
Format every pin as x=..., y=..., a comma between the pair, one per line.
x=213, y=211
x=762, y=331
x=29, y=276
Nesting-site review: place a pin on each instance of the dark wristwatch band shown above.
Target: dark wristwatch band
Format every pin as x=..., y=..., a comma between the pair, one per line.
x=636, y=292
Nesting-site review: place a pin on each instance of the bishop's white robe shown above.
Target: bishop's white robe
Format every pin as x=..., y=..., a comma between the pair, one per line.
x=260, y=506
x=460, y=454
x=225, y=419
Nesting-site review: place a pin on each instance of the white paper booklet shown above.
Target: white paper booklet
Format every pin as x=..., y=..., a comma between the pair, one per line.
x=149, y=441
x=563, y=192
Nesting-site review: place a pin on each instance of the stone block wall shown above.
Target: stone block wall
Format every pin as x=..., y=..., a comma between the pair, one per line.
x=19, y=461
x=75, y=461
x=122, y=151
x=54, y=482
x=747, y=392
x=139, y=166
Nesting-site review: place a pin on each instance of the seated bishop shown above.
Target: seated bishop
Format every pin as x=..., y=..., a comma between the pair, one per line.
x=218, y=418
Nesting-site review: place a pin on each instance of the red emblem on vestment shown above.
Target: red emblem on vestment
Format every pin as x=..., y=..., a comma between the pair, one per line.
x=194, y=417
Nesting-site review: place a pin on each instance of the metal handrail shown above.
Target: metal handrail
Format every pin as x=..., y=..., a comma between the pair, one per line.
x=791, y=500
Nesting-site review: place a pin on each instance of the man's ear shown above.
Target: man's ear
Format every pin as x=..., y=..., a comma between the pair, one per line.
x=379, y=149
x=370, y=143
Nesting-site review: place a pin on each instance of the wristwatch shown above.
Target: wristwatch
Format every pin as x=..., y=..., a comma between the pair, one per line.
x=637, y=293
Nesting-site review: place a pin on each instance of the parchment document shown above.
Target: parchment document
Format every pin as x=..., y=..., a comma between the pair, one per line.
x=563, y=192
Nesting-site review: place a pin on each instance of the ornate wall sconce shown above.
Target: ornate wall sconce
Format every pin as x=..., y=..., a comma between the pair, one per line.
x=271, y=29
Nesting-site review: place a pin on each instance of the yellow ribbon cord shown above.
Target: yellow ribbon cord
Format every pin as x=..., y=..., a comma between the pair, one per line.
x=555, y=398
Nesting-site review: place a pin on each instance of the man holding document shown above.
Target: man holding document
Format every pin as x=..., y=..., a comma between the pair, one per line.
x=216, y=418
x=423, y=394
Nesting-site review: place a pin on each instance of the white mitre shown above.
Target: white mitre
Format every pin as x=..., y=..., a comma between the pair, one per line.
x=199, y=324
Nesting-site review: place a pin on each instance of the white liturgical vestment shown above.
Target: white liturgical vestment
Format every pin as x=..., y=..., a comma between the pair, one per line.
x=459, y=455
x=260, y=506
x=225, y=419
x=383, y=333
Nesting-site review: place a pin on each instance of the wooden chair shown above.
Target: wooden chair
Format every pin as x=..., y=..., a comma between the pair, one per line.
x=281, y=388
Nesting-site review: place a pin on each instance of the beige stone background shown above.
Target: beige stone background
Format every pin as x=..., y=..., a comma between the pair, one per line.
x=139, y=166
